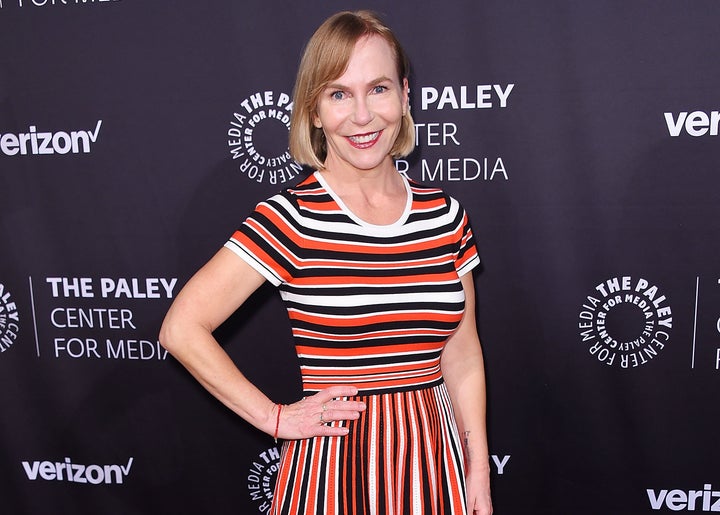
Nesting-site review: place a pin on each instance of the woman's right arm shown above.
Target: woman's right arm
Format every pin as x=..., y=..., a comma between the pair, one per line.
x=206, y=301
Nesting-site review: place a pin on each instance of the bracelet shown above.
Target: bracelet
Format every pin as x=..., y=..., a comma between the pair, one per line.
x=277, y=422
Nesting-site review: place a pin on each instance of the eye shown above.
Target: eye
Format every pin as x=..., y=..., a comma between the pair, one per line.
x=337, y=95
x=379, y=89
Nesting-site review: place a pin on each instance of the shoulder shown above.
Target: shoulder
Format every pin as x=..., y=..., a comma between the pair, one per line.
x=294, y=208
x=292, y=195
x=307, y=188
x=431, y=197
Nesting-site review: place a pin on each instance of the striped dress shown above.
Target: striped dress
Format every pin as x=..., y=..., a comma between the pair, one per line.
x=370, y=306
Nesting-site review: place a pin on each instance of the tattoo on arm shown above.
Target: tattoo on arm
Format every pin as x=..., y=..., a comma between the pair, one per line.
x=466, y=444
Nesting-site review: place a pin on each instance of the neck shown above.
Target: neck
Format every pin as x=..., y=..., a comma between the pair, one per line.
x=376, y=196
x=381, y=180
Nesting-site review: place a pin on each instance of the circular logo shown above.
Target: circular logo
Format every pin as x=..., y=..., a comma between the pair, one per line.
x=257, y=138
x=9, y=320
x=627, y=322
x=261, y=478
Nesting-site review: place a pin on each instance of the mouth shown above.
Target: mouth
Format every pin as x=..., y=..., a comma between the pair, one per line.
x=364, y=140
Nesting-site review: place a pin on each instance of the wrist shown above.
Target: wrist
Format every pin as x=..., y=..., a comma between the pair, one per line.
x=479, y=466
x=278, y=408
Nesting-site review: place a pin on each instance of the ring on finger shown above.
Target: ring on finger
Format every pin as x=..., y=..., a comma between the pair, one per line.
x=322, y=421
x=324, y=407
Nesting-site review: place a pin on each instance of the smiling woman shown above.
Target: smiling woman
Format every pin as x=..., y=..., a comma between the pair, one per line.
x=325, y=61
x=361, y=112
x=375, y=273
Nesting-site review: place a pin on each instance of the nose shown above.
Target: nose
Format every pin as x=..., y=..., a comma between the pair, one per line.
x=362, y=114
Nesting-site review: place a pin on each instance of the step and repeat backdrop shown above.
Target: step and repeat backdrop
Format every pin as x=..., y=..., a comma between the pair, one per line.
x=582, y=137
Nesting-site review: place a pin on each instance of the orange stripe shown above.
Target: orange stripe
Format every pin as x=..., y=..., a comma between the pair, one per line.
x=365, y=265
x=335, y=280
x=319, y=205
x=396, y=369
x=428, y=204
x=374, y=318
x=367, y=335
x=379, y=385
x=382, y=349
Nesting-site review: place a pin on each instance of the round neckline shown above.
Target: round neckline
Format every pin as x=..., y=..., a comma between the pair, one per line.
x=345, y=209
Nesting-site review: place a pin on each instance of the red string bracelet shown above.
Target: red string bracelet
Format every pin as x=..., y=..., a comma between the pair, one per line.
x=277, y=422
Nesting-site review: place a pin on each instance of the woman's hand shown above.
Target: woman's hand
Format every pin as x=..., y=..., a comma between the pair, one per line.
x=478, y=485
x=315, y=415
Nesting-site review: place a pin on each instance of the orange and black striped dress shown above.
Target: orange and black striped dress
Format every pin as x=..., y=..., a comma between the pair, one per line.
x=371, y=306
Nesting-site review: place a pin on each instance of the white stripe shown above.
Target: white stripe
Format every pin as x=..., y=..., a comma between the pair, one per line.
x=402, y=441
x=367, y=299
x=369, y=387
x=390, y=462
x=475, y=261
x=415, y=465
x=372, y=469
x=366, y=336
x=371, y=314
x=311, y=369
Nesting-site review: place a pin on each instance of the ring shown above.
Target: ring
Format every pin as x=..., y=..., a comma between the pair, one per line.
x=324, y=407
x=321, y=419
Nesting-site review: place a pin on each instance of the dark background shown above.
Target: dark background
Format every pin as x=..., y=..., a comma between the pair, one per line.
x=591, y=187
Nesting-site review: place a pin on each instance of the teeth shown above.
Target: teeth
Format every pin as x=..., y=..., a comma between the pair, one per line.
x=365, y=138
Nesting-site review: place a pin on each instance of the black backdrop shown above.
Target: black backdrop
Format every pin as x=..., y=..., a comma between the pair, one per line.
x=582, y=137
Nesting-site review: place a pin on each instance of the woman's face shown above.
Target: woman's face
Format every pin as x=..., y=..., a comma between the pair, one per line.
x=361, y=111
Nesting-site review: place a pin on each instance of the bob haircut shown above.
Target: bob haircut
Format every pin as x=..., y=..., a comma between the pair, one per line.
x=326, y=58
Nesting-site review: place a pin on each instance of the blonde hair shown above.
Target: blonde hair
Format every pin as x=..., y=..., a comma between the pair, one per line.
x=326, y=57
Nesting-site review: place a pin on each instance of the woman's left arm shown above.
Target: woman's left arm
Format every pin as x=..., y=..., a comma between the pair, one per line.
x=464, y=372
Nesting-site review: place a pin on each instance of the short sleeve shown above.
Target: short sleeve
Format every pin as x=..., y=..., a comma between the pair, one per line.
x=466, y=256
x=265, y=241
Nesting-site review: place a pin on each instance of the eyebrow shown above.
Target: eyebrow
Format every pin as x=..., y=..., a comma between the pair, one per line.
x=379, y=80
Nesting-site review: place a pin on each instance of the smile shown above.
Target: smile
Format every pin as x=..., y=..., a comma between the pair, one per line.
x=364, y=140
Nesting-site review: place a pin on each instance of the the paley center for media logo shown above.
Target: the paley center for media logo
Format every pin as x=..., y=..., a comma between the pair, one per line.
x=625, y=322
x=9, y=319
x=258, y=138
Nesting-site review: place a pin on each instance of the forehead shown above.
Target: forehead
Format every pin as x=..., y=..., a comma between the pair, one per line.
x=372, y=57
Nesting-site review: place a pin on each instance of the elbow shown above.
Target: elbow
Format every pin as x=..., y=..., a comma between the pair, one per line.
x=179, y=333
x=167, y=336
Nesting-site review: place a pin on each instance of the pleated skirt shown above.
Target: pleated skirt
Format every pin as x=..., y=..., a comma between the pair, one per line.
x=402, y=457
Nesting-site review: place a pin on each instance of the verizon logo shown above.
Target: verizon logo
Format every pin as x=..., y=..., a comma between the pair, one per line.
x=707, y=499
x=76, y=473
x=696, y=124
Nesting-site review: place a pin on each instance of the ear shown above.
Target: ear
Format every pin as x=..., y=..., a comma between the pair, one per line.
x=316, y=122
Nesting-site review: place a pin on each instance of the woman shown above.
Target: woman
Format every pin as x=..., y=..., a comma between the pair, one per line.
x=374, y=271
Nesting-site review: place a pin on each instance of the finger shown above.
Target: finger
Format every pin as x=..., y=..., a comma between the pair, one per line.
x=334, y=415
x=336, y=391
x=331, y=430
x=331, y=399
x=343, y=405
